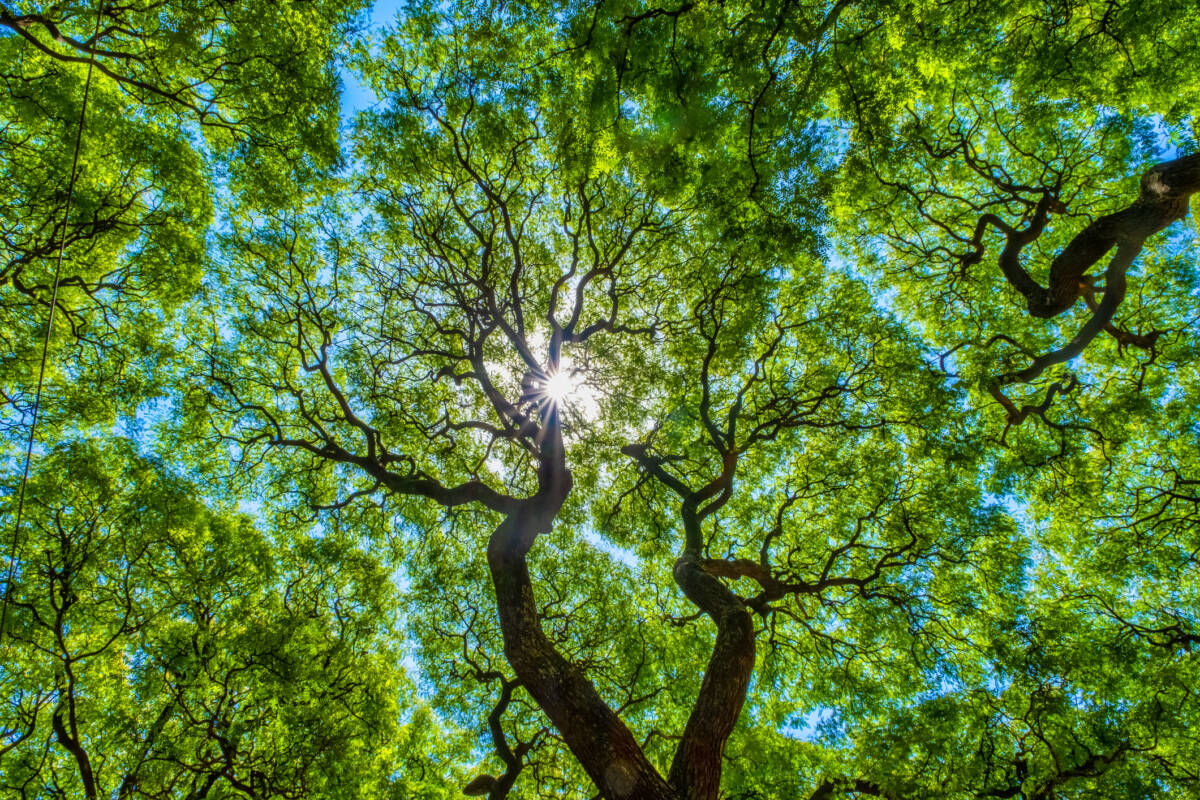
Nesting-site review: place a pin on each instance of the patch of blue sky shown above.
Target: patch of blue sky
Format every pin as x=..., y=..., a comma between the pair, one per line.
x=617, y=553
x=252, y=507
x=821, y=725
x=998, y=681
x=357, y=96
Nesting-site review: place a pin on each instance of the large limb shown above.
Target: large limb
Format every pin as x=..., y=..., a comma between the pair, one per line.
x=1163, y=198
x=594, y=733
x=1114, y=293
x=1125, y=338
x=1165, y=190
x=67, y=734
x=696, y=768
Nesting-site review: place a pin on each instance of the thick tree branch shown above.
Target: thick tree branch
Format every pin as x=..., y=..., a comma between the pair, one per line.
x=1163, y=198
x=1165, y=191
x=67, y=735
x=696, y=768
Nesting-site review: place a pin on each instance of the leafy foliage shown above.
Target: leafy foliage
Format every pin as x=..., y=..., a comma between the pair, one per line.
x=713, y=400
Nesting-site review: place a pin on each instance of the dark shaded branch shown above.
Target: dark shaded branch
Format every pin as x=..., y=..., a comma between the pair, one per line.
x=498, y=787
x=1165, y=190
x=696, y=767
x=67, y=735
x=1114, y=293
x=1125, y=338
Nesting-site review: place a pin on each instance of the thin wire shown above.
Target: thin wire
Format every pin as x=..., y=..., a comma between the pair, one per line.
x=37, y=397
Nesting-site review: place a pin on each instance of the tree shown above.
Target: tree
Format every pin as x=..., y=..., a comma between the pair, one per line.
x=655, y=350
x=168, y=650
x=121, y=122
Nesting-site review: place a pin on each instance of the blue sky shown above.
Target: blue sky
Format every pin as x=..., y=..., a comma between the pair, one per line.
x=355, y=96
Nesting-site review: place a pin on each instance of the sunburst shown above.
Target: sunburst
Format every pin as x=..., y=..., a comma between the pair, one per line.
x=559, y=386
x=566, y=389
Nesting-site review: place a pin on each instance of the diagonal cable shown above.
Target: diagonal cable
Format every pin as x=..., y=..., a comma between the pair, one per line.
x=37, y=397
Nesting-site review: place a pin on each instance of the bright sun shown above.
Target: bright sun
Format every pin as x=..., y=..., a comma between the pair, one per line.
x=559, y=386
x=569, y=389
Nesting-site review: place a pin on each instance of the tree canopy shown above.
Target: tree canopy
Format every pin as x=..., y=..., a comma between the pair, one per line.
x=714, y=400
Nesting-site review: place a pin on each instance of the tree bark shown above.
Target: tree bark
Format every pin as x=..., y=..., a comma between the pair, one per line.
x=69, y=739
x=696, y=768
x=1165, y=191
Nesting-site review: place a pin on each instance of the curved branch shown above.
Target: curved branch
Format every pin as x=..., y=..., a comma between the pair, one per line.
x=1162, y=199
x=696, y=768
x=1114, y=294
x=1165, y=190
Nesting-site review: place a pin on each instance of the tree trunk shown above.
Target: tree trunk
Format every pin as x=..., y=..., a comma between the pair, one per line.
x=696, y=769
x=593, y=732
